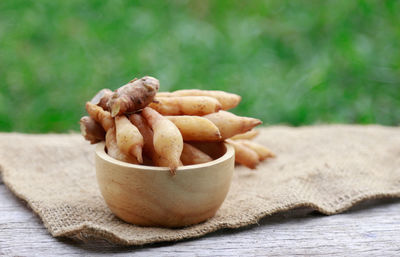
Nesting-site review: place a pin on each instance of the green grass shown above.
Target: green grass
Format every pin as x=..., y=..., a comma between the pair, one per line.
x=293, y=62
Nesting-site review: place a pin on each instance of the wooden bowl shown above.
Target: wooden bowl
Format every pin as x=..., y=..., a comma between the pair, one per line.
x=151, y=196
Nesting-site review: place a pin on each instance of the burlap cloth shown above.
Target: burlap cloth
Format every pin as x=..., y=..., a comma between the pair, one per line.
x=328, y=168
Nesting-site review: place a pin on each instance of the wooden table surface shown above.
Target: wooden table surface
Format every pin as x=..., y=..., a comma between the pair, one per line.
x=372, y=228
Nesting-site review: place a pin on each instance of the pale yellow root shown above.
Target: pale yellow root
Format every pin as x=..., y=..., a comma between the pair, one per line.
x=167, y=140
x=186, y=105
x=91, y=130
x=262, y=152
x=113, y=149
x=163, y=162
x=147, y=133
x=164, y=94
x=133, y=96
x=247, y=135
x=191, y=155
x=244, y=155
x=102, y=97
x=213, y=149
x=227, y=100
x=147, y=161
x=230, y=124
x=100, y=116
x=196, y=128
x=129, y=139
x=148, y=147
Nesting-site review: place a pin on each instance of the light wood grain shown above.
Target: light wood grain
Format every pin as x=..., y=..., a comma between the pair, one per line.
x=370, y=229
x=150, y=196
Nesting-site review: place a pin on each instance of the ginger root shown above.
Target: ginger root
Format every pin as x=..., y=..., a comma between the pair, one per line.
x=148, y=147
x=100, y=116
x=247, y=135
x=227, y=100
x=113, y=149
x=129, y=139
x=91, y=130
x=146, y=132
x=262, y=152
x=192, y=155
x=167, y=139
x=230, y=124
x=186, y=105
x=196, y=128
x=102, y=97
x=143, y=126
x=133, y=96
x=244, y=155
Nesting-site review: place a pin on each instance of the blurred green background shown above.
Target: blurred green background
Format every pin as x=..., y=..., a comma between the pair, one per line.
x=293, y=62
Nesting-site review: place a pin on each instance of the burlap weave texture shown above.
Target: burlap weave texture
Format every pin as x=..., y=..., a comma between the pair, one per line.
x=328, y=168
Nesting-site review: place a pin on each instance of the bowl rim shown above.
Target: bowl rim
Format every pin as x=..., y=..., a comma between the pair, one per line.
x=101, y=153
